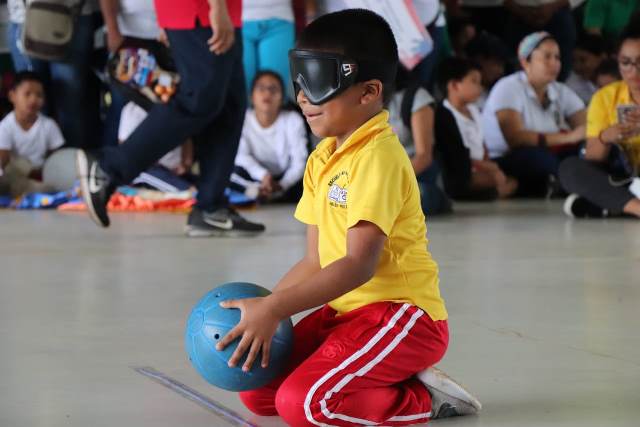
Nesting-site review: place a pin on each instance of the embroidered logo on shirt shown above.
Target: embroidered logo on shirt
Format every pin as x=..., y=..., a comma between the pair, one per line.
x=337, y=194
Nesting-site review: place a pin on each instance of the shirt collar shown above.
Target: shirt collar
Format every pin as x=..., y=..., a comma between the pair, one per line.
x=372, y=126
x=552, y=90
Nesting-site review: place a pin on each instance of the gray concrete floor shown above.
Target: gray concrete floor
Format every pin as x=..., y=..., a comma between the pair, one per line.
x=544, y=314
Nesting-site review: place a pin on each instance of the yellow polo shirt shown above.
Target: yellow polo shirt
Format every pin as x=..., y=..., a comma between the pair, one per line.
x=370, y=178
x=603, y=114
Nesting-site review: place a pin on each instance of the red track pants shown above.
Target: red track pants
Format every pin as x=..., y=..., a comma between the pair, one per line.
x=356, y=369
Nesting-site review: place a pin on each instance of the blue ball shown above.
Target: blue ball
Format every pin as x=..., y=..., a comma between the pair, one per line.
x=208, y=323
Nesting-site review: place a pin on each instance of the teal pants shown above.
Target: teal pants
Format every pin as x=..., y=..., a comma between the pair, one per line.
x=266, y=47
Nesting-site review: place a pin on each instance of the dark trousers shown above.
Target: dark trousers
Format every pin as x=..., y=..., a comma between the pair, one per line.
x=561, y=26
x=432, y=198
x=209, y=106
x=592, y=181
x=531, y=166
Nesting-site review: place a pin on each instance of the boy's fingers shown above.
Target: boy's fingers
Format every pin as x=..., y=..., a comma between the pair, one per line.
x=243, y=345
x=253, y=353
x=230, y=303
x=266, y=349
x=228, y=339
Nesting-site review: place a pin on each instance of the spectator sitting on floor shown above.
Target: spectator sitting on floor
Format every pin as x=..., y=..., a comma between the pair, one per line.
x=273, y=147
x=491, y=54
x=605, y=182
x=411, y=117
x=531, y=121
x=607, y=73
x=588, y=54
x=467, y=171
x=172, y=172
x=27, y=138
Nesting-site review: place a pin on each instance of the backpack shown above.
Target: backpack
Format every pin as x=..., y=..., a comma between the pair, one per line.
x=49, y=27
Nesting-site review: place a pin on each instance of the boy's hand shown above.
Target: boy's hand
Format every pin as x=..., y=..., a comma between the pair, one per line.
x=258, y=324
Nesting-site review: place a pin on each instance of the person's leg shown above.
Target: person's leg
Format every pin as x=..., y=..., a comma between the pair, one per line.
x=216, y=147
x=20, y=60
x=250, y=40
x=364, y=372
x=531, y=167
x=241, y=180
x=563, y=28
x=591, y=181
x=433, y=199
x=69, y=80
x=200, y=98
x=273, y=50
x=112, y=120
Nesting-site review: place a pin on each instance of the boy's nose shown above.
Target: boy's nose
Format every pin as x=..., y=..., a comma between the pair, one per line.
x=301, y=97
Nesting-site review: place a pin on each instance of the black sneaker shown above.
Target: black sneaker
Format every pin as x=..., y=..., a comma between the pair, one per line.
x=579, y=207
x=224, y=222
x=96, y=187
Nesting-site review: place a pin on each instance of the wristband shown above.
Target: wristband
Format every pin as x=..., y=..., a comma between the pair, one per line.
x=542, y=140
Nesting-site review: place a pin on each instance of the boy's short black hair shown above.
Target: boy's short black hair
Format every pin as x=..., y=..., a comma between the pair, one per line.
x=358, y=34
x=455, y=69
x=25, y=76
x=270, y=73
x=608, y=67
x=593, y=43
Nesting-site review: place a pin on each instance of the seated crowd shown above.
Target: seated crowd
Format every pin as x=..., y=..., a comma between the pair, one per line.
x=481, y=119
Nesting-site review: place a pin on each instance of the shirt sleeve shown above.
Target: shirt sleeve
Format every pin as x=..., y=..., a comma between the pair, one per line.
x=376, y=191
x=597, y=115
x=6, y=140
x=421, y=99
x=55, y=139
x=504, y=96
x=297, y=147
x=304, y=211
x=246, y=160
x=571, y=102
x=595, y=13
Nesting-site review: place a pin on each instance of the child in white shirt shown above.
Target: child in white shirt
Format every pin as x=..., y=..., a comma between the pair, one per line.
x=273, y=148
x=468, y=172
x=27, y=138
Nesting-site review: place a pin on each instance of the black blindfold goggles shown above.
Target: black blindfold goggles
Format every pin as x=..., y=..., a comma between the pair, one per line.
x=324, y=75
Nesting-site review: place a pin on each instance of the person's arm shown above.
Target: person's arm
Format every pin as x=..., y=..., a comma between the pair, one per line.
x=422, y=133
x=517, y=135
x=594, y=15
x=246, y=160
x=223, y=32
x=260, y=316
x=110, y=9
x=5, y=157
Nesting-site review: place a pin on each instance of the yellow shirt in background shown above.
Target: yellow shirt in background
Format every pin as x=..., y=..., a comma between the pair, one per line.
x=370, y=178
x=603, y=113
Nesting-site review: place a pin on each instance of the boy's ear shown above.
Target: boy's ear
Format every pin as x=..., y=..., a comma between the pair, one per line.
x=372, y=91
x=12, y=95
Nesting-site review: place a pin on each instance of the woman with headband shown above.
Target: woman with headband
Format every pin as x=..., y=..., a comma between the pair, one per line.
x=530, y=120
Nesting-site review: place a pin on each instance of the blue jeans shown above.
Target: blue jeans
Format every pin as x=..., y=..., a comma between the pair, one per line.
x=71, y=103
x=266, y=46
x=209, y=106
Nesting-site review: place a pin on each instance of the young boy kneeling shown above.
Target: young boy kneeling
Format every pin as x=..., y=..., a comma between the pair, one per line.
x=366, y=356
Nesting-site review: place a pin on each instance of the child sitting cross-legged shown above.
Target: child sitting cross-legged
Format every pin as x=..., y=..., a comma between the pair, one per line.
x=27, y=138
x=366, y=355
x=468, y=174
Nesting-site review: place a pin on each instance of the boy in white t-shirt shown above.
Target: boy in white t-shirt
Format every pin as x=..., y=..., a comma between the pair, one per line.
x=468, y=171
x=27, y=137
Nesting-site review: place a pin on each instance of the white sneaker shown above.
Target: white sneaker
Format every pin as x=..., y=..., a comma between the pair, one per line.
x=448, y=398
